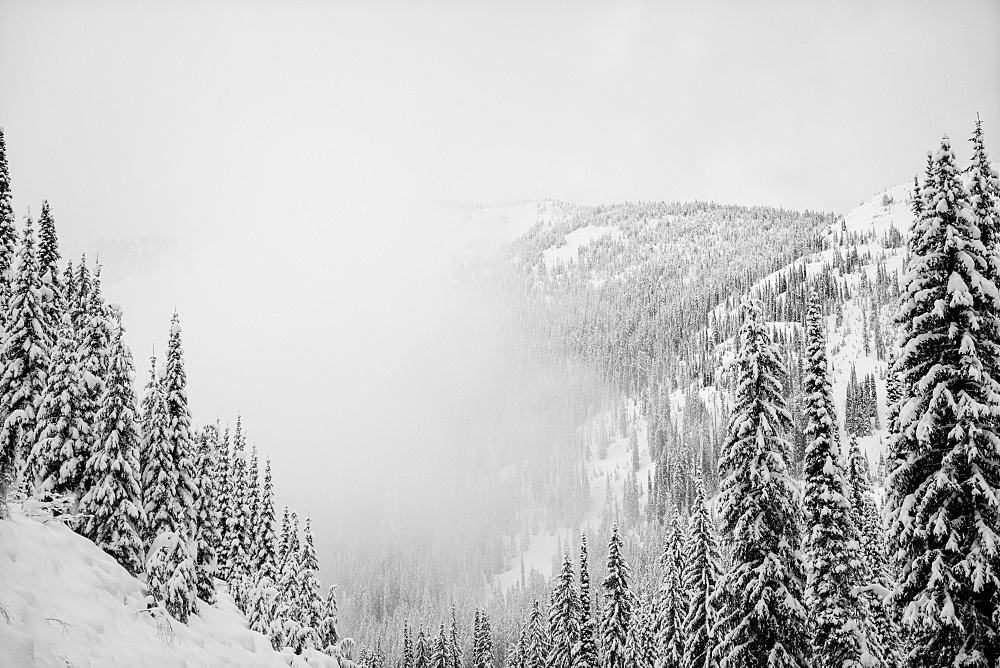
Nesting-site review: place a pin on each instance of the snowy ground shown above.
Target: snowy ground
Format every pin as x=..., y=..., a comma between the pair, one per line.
x=575, y=240
x=66, y=603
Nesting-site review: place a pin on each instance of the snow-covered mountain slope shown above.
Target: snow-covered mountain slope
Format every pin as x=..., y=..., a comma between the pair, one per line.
x=67, y=603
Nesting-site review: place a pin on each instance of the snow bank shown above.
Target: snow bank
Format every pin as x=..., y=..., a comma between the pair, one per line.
x=66, y=603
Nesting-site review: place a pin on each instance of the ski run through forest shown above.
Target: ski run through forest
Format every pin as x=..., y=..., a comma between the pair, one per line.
x=753, y=515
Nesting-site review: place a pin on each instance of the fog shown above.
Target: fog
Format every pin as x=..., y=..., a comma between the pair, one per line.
x=278, y=164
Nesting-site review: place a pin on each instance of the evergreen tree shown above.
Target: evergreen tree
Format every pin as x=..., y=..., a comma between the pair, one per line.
x=538, y=640
x=564, y=627
x=310, y=603
x=836, y=616
x=224, y=485
x=206, y=538
x=439, y=657
x=421, y=653
x=945, y=461
x=162, y=512
x=482, y=645
x=8, y=233
x=587, y=656
x=407, y=658
x=68, y=288
x=984, y=200
x=236, y=514
x=171, y=577
x=178, y=428
x=48, y=270
x=700, y=579
x=618, y=605
x=24, y=358
x=110, y=507
x=454, y=645
x=328, y=631
x=265, y=559
x=765, y=623
x=670, y=604
x=61, y=451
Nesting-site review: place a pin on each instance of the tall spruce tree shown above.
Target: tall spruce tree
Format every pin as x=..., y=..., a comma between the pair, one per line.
x=765, y=622
x=700, y=579
x=206, y=537
x=178, y=430
x=836, y=616
x=564, y=625
x=24, y=363
x=236, y=514
x=161, y=509
x=587, y=656
x=265, y=559
x=670, y=604
x=538, y=639
x=618, y=605
x=111, y=507
x=941, y=505
x=60, y=453
x=8, y=233
x=48, y=270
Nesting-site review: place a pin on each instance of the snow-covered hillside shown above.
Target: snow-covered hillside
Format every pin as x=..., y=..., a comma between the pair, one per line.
x=64, y=602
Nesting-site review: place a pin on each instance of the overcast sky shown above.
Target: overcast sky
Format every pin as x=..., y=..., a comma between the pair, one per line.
x=279, y=135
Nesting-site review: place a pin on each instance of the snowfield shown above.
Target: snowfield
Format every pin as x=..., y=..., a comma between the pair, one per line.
x=67, y=603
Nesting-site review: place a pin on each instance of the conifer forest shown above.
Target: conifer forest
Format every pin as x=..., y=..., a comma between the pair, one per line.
x=565, y=430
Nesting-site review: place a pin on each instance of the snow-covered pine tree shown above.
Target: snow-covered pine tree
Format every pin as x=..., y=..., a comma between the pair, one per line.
x=236, y=549
x=640, y=649
x=483, y=644
x=161, y=509
x=564, y=628
x=671, y=605
x=110, y=507
x=984, y=199
x=618, y=605
x=206, y=537
x=587, y=656
x=24, y=361
x=421, y=653
x=439, y=657
x=515, y=655
x=700, y=579
x=328, y=631
x=178, y=429
x=223, y=484
x=538, y=639
x=252, y=520
x=170, y=575
x=765, y=622
x=95, y=334
x=68, y=288
x=454, y=643
x=60, y=453
x=837, y=618
x=262, y=607
x=288, y=583
x=406, y=660
x=8, y=233
x=265, y=559
x=48, y=270
x=882, y=631
x=310, y=602
x=941, y=511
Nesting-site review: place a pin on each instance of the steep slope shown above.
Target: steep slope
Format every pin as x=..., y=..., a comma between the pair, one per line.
x=66, y=603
